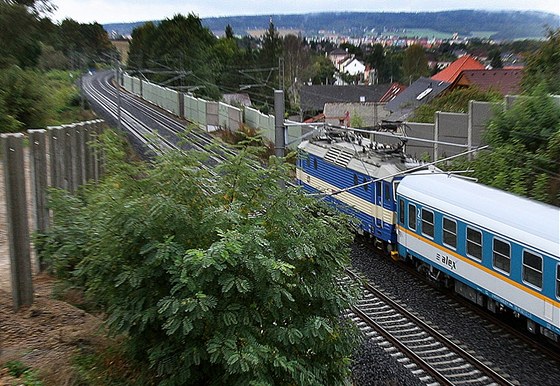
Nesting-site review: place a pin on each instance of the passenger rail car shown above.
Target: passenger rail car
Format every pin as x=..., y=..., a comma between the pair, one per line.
x=501, y=250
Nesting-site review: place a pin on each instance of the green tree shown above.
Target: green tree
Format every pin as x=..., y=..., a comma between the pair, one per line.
x=178, y=46
x=296, y=58
x=321, y=71
x=229, y=32
x=142, y=46
x=24, y=97
x=271, y=50
x=353, y=50
x=525, y=155
x=376, y=59
x=544, y=65
x=456, y=101
x=215, y=276
x=20, y=43
x=496, y=59
x=415, y=63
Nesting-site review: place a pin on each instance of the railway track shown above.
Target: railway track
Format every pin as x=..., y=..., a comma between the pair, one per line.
x=434, y=358
x=147, y=124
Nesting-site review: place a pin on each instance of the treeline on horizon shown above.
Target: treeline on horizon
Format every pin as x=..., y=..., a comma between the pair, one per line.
x=506, y=25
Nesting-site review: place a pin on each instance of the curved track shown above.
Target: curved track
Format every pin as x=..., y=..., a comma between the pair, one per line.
x=148, y=126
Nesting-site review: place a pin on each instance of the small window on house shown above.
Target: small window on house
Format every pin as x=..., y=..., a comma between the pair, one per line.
x=501, y=252
x=532, y=269
x=474, y=243
x=450, y=232
x=401, y=211
x=412, y=216
x=366, y=186
x=315, y=163
x=427, y=223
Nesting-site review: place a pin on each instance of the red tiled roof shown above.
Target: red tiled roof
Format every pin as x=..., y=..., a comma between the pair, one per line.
x=505, y=81
x=392, y=92
x=451, y=72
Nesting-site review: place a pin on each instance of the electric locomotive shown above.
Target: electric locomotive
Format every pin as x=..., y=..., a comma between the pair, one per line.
x=358, y=175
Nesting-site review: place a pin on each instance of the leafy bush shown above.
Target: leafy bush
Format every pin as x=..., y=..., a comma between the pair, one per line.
x=456, y=101
x=216, y=274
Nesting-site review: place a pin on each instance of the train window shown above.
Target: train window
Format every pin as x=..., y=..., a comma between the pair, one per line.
x=315, y=163
x=401, y=211
x=449, y=232
x=502, y=255
x=532, y=269
x=558, y=281
x=474, y=243
x=378, y=189
x=366, y=186
x=427, y=223
x=412, y=216
x=355, y=179
x=387, y=191
x=395, y=186
x=308, y=162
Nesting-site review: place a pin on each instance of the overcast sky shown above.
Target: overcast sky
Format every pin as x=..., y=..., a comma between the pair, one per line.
x=110, y=11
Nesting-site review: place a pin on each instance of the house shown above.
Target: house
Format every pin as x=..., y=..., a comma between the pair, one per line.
x=337, y=55
x=352, y=66
x=418, y=93
x=452, y=72
x=505, y=81
x=368, y=114
x=339, y=104
x=313, y=98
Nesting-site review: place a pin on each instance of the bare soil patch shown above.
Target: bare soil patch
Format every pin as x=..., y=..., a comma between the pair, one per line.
x=46, y=335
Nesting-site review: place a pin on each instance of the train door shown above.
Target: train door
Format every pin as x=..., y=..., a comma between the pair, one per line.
x=378, y=205
x=388, y=203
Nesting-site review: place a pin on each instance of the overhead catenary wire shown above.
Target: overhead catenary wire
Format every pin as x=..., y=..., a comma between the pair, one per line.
x=423, y=166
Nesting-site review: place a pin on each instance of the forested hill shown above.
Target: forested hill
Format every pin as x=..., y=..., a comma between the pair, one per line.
x=501, y=25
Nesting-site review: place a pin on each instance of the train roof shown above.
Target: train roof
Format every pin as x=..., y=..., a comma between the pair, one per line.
x=527, y=221
x=360, y=154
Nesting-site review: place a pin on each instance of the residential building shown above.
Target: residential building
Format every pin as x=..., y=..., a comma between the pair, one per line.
x=451, y=72
x=504, y=81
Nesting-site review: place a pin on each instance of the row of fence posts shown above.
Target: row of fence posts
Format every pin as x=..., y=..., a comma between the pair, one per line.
x=60, y=157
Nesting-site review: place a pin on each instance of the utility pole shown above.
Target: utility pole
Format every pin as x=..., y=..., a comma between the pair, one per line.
x=82, y=102
x=281, y=74
x=279, y=133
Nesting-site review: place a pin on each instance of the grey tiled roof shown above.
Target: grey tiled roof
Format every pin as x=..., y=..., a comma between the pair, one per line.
x=411, y=98
x=313, y=98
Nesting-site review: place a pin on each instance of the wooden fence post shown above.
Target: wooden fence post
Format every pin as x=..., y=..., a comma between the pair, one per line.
x=18, y=228
x=39, y=184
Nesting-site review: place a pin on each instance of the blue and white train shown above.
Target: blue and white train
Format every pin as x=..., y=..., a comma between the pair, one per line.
x=499, y=250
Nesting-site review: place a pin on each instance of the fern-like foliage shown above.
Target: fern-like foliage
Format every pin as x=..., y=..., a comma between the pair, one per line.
x=216, y=275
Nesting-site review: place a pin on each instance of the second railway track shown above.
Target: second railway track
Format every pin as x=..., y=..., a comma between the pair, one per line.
x=434, y=358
